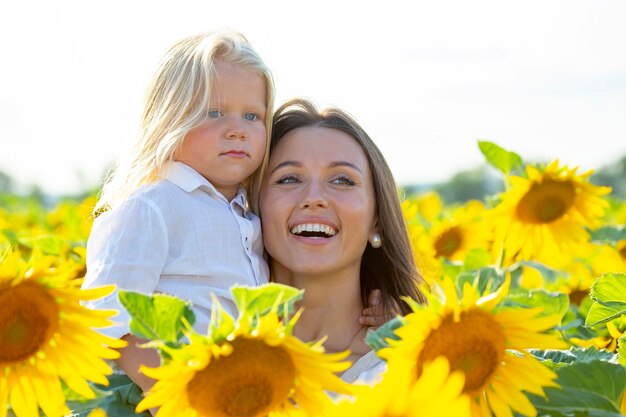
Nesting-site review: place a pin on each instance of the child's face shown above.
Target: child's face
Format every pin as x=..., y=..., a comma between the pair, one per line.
x=230, y=144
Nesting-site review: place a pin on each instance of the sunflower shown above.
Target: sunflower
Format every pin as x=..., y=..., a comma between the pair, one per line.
x=531, y=278
x=97, y=412
x=463, y=230
x=609, y=340
x=424, y=253
x=621, y=248
x=258, y=369
x=426, y=261
x=486, y=343
x=427, y=206
x=46, y=337
x=72, y=221
x=545, y=215
x=609, y=258
x=437, y=392
x=578, y=270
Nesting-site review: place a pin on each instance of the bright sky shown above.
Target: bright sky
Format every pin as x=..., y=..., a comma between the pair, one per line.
x=427, y=79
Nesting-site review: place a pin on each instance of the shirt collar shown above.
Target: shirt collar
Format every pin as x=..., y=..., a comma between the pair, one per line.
x=188, y=179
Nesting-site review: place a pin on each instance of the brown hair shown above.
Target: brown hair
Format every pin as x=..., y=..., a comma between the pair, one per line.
x=390, y=268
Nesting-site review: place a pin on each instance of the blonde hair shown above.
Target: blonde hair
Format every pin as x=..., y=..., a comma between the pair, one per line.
x=176, y=101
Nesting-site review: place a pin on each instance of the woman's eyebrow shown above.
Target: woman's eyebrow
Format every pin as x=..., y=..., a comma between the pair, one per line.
x=344, y=164
x=296, y=164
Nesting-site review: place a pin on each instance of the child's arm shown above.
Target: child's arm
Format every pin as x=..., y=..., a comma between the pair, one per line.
x=127, y=247
x=376, y=314
x=133, y=357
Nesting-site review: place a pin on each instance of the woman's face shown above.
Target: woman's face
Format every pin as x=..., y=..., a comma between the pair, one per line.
x=317, y=203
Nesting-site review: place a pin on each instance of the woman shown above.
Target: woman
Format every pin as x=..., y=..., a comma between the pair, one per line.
x=332, y=225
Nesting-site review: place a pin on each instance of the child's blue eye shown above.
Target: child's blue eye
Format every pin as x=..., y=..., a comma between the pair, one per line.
x=214, y=114
x=251, y=116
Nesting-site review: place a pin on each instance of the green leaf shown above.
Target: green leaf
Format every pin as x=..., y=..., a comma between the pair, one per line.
x=259, y=300
x=553, y=303
x=482, y=279
x=451, y=269
x=49, y=244
x=609, y=295
x=500, y=158
x=122, y=397
x=587, y=387
x=601, y=313
x=609, y=287
x=379, y=338
x=77, y=403
x=73, y=396
x=157, y=316
x=608, y=234
x=621, y=350
x=476, y=258
x=573, y=355
x=10, y=235
x=222, y=324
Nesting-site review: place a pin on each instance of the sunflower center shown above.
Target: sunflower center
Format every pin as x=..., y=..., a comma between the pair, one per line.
x=577, y=296
x=622, y=252
x=448, y=242
x=475, y=345
x=28, y=319
x=546, y=202
x=254, y=379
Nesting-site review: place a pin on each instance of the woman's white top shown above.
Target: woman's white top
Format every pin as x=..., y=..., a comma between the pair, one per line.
x=368, y=369
x=179, y=236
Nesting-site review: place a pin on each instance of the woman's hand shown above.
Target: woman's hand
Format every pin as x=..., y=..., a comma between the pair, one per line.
x=375, y=314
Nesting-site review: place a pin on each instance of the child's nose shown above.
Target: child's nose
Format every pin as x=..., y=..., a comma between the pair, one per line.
x=236, y=130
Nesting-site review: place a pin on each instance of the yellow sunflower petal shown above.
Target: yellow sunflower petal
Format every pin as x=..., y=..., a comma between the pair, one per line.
x=499, y=407
x=543, y=216
x=47, y=336
x=476, y=338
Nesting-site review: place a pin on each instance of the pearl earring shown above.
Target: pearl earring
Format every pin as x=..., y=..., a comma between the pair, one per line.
x=376, y=241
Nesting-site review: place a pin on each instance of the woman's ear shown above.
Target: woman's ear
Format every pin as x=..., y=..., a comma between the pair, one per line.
x=375, y=238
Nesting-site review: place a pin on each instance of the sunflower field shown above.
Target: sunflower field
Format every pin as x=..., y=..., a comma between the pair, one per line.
x=526, y=316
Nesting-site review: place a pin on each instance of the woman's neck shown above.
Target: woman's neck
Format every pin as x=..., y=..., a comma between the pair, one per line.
x=332, y=306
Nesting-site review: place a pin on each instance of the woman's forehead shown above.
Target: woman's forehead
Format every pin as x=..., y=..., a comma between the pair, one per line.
x=315, y=142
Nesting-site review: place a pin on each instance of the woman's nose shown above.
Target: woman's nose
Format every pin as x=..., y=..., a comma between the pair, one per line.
x=314, y=196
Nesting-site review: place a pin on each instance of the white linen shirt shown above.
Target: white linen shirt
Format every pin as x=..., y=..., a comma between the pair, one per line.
x=179, y=236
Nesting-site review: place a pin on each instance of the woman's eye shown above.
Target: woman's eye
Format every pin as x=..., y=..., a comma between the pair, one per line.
x=288, y=179
x=343, y=180
x=251, y=116
x=214, y=114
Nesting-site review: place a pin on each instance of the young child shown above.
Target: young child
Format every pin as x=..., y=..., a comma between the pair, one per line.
x=175, y=215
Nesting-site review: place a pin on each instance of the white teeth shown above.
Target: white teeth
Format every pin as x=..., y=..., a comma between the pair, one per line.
x=313, y=227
